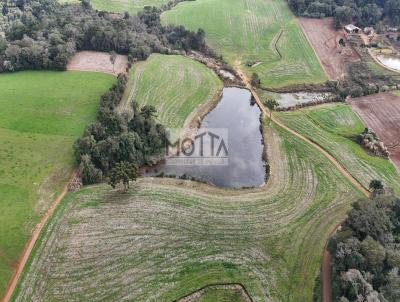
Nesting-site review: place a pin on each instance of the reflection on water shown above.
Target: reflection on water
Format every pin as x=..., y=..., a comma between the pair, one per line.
x=245, y=168
x=390, y=61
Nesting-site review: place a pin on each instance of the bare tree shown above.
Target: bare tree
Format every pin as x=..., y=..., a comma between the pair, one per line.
x=271, y=105
x=113, y=58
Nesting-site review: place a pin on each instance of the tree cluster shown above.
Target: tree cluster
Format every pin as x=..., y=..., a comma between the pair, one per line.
x=361, y=12
x=360, y=81
x=43, y=34
x=116, y=138
x=366, y=251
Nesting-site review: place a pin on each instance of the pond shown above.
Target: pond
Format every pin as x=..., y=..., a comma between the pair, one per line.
x=287, y=100
x=390, y=61
x=240, y=117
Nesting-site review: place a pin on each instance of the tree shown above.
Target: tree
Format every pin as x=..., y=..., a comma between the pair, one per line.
x=271, y=105
x=4, y=9
x=255, y=80
x=391, y=291
x=113, y=58
x=86, y=4
x=376, y=186
x=123, y=172
x=373, y=251
x=368, y=217
x=90, y=174
x=148, y=111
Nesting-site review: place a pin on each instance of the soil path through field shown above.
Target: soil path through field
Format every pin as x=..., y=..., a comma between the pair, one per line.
x=31, y=243
x=326, y=277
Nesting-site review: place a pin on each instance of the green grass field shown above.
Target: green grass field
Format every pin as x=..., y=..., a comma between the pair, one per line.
x=334, y=127
x=121, y=6
x=175, y=85
x=41, y=114
x=251, y=30
x=166, y=238
x=397, y=93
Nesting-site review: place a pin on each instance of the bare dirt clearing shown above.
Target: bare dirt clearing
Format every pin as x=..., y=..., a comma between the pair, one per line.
x=98, y=61
x=381, y=112
x=325, y=40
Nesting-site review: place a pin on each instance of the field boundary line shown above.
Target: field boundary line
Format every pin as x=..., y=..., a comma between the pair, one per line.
x=26, y=253
x=312, y=47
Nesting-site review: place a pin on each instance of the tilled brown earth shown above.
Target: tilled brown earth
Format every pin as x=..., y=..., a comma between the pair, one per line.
x=381, y=113
x=325, y=40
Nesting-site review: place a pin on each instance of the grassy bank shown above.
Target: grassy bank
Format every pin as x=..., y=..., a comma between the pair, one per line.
x=166, y=238
x=175, y=85
x=258, y=31
x=41, y=115
x=335, y=126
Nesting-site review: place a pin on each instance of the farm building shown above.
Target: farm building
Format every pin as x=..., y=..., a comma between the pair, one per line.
x=369, y=30
x=352, y=29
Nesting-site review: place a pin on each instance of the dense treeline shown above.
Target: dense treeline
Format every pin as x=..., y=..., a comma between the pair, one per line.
x=116, y=138
x=361, y=12
x=366, y=252
x=43, y=34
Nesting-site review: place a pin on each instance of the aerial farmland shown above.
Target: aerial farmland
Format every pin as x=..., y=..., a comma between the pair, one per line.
x=199, y=151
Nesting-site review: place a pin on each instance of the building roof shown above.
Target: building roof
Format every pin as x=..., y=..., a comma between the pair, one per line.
x=351, y=27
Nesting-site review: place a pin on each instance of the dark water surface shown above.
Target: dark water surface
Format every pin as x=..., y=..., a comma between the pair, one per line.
x=245, y=167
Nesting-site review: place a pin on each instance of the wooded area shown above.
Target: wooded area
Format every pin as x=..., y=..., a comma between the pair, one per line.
x=361, y=12
x=365, y=252
x=43, y=34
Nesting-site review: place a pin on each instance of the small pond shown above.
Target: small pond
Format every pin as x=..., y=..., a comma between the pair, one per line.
x=245, y=166
x=390, y=61
x=291, y=99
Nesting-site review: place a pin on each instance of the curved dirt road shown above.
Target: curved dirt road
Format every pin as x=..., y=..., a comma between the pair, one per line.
x=31, y=243
x=326, y=268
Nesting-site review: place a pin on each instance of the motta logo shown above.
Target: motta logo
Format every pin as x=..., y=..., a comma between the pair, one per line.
x=193, y=146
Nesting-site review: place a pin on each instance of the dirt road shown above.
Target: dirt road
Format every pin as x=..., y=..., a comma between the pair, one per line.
x=31, y=243
x=326, y=277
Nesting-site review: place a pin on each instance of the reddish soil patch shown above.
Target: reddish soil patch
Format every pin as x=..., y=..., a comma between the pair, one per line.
x=381, y=113
x=325, y=40
x=98, y=61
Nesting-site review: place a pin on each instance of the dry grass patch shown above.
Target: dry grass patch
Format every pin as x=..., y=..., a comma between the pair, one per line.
x=98, y=61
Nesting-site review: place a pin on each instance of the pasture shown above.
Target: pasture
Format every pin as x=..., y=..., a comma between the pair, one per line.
x=335, y=126
x=263, y=33
x=41, y=115
x=121, y=6
x=166, y=238
x=180, y=88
